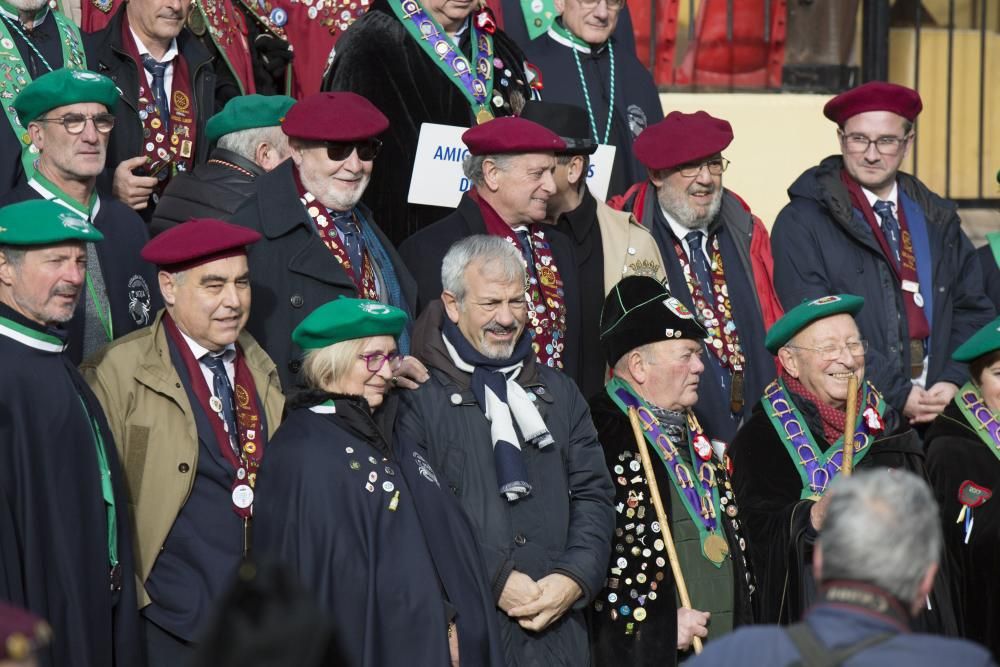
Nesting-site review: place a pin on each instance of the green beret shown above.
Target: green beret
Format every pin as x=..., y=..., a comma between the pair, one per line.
x=984, y=341
x=807, y=312
x=347, y=319
x=247, y=112
x=61, y=87
x=42, y=222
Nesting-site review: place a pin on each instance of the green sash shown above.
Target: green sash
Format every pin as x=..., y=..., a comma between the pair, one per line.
x=979, y=417
x=14, y=76
x=538, y=16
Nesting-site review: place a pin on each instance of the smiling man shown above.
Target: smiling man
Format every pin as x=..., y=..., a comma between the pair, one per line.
x=320, y=241
x=69, y=118
x=514, y=442
x=191, y=401
x=654, y=346
x=856, y=224
x=511, y=163
x=168, y=92
x=717, y=257
x=786, y=456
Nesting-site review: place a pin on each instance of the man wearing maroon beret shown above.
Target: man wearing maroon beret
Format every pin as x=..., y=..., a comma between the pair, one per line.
x=319, y=240
x=191, y=400
x=717, y=257
x=857, y=225
x=511, y=163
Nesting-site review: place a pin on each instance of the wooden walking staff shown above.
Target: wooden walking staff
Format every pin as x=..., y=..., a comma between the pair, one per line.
x=661, y=517
x=847, y=465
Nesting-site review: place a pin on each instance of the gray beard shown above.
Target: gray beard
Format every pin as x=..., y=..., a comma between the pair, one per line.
x=681, y=211
x=28, y=5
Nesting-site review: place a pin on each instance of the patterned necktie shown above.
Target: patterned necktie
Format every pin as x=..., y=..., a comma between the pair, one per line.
x=699, y=263
x=354, y=243
x=890, y=226
x=223, y=390
x=158, y=70
x=524, y=239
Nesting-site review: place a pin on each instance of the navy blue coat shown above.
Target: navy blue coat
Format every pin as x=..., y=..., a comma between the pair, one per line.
x=991, y=274
x=823, y=246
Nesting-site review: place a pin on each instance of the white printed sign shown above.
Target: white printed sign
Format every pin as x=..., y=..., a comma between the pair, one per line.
x=437, y=169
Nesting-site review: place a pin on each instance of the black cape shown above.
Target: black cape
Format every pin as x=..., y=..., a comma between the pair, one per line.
x=53, y=520
x=780, y=534
x=956, y=454
x=654, y=642
x=132, y=287
x=378, y=59
x=392, y=575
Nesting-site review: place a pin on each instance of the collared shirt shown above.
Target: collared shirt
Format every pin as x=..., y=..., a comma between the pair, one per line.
x=680, y=231
x=893, y=200
x=168, y=57
x=228, y=357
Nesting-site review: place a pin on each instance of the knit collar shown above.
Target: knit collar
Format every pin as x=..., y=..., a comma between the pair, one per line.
x=19, y=328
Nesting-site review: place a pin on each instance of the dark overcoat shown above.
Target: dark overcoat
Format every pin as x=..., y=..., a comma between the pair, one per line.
x=991, y=274
x=823, y=246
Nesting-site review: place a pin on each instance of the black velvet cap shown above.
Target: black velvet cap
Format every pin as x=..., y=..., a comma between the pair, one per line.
x=639, y=310
x=569, y=121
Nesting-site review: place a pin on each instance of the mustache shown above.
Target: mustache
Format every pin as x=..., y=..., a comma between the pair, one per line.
x=499, y=328
x=65, y=290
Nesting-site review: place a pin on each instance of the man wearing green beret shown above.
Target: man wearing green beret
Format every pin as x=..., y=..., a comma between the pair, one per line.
x=64, y=534
x=68, y=116
x=248, y=142
x=34, y=40
x=785, y=457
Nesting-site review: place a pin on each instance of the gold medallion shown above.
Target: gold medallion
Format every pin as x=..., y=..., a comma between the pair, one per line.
x=715, y=548
x=483, y=116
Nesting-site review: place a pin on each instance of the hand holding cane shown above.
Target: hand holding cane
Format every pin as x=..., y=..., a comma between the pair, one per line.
x=661, y=517
x=847, y=465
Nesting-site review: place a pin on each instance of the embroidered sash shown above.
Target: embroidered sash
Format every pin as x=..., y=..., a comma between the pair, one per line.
x=251, y=437
x=228, y=30
x=546, y=298
x=970, y=401
x=363, y=277
x=14, y=76
x=168, y=150
x=701, y=499
x=817, y=468
x=476, y=85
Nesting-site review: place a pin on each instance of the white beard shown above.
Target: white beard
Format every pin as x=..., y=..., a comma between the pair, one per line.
x=29, y=6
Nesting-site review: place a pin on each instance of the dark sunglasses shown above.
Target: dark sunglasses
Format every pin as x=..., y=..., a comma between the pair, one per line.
x=341, y=150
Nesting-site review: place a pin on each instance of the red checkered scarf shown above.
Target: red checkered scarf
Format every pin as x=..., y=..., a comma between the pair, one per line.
x=834, y=420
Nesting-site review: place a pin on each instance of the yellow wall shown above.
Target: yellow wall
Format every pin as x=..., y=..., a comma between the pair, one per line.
x=776, y=138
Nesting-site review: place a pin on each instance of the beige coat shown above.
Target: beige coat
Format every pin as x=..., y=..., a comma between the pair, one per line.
x=154, y=429
x=629, y=248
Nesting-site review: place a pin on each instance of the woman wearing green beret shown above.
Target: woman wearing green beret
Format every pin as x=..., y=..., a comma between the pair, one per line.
x=963, y=463
x=361, y=516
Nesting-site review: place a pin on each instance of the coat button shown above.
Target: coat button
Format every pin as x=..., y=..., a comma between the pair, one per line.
x=520, y=540
x=456, y=399
x=297, y=301
x=294, y=365
x=183, y=467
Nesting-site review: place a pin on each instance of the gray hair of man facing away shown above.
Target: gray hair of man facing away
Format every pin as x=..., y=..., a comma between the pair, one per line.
x=472, y=165
x=494, y=252
x=883, y=528
x=245, y=142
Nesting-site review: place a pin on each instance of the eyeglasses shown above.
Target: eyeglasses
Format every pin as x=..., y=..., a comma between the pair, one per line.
x=859, y=143
x=75, y=122
x=715, y=167
x=341, y=150
x=832, y=352
x=376, y=360
x=613, y=5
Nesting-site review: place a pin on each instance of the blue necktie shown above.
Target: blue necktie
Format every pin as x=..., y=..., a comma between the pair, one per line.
x=890, y=226
x=223, y=390
x=524, y=238
x=354, y=244
x=699, y=263
x=158, y=70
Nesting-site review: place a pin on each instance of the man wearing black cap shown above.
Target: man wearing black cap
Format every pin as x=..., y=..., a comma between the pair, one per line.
x=654, y=345
x=320, y=241
x=717, y=257
x=856, y=224
x=785, y=457
x=608, y=244
x=191, y=401
x=68, y=116
x=65, y=541
x=511, y=164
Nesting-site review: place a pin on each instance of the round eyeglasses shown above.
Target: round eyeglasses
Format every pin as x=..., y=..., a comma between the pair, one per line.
x=75, y=122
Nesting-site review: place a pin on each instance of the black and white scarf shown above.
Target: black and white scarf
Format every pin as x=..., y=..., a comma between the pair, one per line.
x=503, y=402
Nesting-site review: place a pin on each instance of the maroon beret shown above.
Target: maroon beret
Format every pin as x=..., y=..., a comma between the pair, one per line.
x=511, y=134
x=334, y=117
x=196, y=242
x=21, y=633
x=681, y=138
x=874, y=96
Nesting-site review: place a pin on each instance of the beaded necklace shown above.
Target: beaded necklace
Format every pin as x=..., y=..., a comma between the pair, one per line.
x=575, y=45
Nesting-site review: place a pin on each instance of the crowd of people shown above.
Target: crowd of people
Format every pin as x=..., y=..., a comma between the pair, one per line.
x=259, y=408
